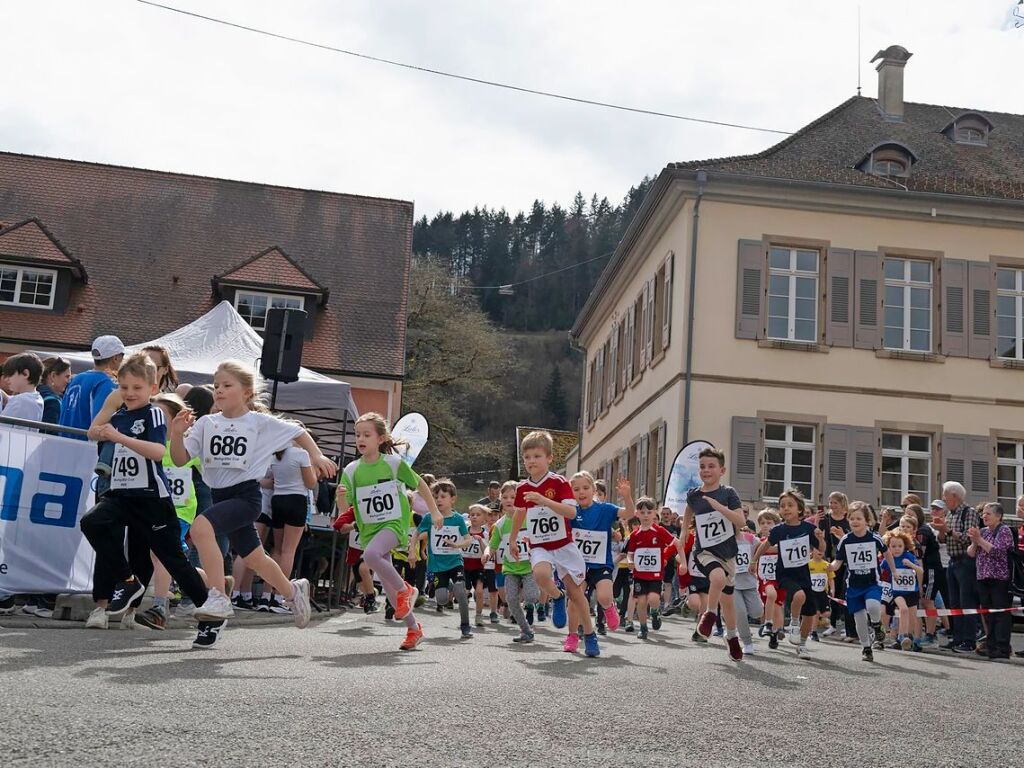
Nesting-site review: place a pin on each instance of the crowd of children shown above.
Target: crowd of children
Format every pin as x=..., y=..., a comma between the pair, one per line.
x=541, y=547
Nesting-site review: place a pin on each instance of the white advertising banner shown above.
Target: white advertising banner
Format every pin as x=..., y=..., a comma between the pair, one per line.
x=46, y=488
x=414, y=430
x=684, y=475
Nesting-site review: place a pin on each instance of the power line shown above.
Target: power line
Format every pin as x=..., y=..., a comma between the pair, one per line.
x=466, y=78
x=538, y=277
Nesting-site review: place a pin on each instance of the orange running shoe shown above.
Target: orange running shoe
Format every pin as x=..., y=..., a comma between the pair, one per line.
x=406, y=600
x=412, y=638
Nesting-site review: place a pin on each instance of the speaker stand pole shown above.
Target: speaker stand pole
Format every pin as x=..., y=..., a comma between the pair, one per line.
x=273, y=396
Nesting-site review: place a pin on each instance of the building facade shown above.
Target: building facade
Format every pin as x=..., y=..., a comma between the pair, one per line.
x=89, y=249
x=844, y=311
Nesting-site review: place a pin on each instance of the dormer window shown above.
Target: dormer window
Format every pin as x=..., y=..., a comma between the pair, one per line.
x=888, y=160
x=969, y=128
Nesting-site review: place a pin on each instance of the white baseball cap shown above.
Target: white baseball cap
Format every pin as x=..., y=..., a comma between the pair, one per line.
x=106, y=347
x=937, y=504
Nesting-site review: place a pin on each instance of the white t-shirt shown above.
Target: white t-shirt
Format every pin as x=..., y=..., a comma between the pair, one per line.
x=232, y=451
x=26, y=405
x=287, y=472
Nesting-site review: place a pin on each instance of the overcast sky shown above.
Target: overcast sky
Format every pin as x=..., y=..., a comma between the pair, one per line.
x=116, y=81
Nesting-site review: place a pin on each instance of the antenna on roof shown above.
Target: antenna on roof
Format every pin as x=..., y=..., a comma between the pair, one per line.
x=858, y=50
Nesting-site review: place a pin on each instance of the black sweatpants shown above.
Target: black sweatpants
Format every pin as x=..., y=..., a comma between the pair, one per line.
x=152, y=526
x=995, y=593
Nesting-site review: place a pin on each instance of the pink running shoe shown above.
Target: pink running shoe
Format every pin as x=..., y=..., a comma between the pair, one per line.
x=572, y=642
x=611, y=617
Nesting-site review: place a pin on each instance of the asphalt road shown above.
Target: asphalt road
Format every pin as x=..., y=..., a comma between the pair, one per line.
x=340, y=693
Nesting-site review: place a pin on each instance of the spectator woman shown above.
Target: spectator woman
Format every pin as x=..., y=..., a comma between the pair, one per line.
x=166, y=376
x=56, y=375
x=990, y=547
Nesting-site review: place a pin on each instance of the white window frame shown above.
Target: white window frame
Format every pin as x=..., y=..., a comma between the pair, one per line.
x=904, y=454
x=789, y=444
x=791, y=274
x=906, y=284
x=270, y=302
x=22, y=270
x=1017, y=463
x=1018, y=295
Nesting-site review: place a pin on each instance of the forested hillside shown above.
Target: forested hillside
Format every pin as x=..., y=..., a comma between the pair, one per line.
x=483, y=360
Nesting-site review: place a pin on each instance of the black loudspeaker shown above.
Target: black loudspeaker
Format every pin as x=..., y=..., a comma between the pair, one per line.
x=282, y=344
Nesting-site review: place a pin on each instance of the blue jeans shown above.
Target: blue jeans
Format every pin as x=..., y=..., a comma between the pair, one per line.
x=962, y=575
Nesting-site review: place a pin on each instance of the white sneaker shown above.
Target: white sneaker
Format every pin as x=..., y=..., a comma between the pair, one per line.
x=97, y=619
x=748, y=649
x=128, y=620
x=216, y=607
x=793, y=634
x=184, y=611
x=802, y=651
x=300, y=605
x=829, y=632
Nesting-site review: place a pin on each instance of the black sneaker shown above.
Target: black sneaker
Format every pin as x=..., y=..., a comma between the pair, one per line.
x=124, y=593
x=814, y=636
x=867, y=655
x=153, y=618
x=655, y=621
x=389, y=611
x=524, y=637
x=209, y=631
x=243, y=604
x=642, y=634
x=529, y=614
x=263, y=605
x=601, y=629
x=879, y=633
x=7, y=606
x=542, y=612
x=494, y=619
x=773, y=641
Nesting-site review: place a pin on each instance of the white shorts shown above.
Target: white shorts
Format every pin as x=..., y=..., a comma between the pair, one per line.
x=567, y=561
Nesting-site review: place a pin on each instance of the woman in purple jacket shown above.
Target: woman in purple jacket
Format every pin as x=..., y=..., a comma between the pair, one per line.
x=990, y=547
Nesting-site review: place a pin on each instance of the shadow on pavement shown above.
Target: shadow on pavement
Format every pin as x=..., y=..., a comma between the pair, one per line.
x=193, y=665
x=576, y=666
x=374, y=659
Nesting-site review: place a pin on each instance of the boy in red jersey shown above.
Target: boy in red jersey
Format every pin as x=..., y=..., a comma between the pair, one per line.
x=546, y=502
x=473, y=558
x=646, y=548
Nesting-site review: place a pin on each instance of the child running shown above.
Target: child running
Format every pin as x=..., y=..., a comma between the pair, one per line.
x=793, y=538
x=235, y=447
x=473, y=559
x=516, y=572
x=383, y=513
x=139, y=500
x=774, y=599
x=746, y=598
x=905, y=578
x=717, y=512
x=592, y=530
x=445, y=545
x=646, y=548
x=859, y=550
x=545, y=501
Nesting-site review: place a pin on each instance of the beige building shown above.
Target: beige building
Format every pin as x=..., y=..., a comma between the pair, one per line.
x=844, y=311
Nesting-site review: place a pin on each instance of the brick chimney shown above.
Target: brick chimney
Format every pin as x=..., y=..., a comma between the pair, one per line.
x=891, y=62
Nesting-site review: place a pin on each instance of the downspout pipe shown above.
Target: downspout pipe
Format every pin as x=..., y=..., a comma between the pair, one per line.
x=575, y=347
x=702, y=178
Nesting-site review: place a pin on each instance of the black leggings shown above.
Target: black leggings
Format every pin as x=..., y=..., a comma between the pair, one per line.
x=841, y=610
x=152, y=526
x=621, y=587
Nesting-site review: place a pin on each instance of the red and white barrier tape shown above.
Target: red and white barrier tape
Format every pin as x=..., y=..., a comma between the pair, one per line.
x=936, y=612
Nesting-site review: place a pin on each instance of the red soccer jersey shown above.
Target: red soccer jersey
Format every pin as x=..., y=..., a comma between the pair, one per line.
x=544, y=528
x=479, y=544
x=648, y=548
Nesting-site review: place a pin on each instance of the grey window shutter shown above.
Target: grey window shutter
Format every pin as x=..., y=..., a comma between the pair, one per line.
x=750, y=289
x=627, y=371
x=666, y=302
x=652, y=321
x=867, y=274
x=839, y=315
x=747, y=457
x=981, y=345
x=612, y=376
x=659, y=464
x=864, y=479
x=954, y=307
x=590, y=392
x=968, y=460
x=836, y=440
x=641, y=465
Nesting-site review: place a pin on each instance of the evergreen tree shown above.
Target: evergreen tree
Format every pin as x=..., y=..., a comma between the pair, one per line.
x=555, y=406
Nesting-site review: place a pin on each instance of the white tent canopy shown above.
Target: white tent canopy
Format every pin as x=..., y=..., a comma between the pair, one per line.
x=323, y=404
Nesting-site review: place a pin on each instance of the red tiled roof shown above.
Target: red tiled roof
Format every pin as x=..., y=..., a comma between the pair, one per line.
x=829, y=149
x=29, y=240
x=152, y=242
x=272, y=268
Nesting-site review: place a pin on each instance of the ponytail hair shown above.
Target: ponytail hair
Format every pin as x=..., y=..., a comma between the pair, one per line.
x=389, y=444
